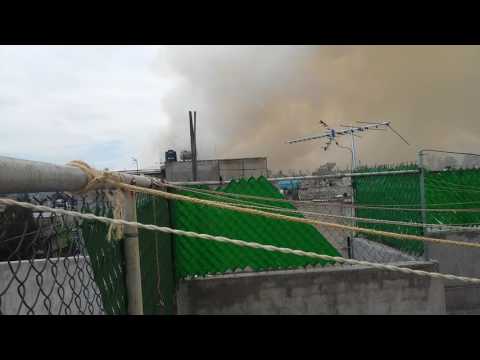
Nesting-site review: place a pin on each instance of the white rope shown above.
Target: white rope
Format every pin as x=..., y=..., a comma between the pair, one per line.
x=273, y=215
x=241, y=243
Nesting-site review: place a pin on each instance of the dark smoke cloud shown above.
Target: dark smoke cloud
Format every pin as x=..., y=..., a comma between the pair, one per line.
x=251, y=99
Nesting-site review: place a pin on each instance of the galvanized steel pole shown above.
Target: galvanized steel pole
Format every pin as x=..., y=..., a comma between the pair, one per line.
x=422, y=197
x=17, y=176
x=354, y=153
x=309, y=177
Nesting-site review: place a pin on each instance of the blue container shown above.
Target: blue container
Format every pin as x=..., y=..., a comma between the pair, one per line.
x=170, y=155
x=289, y=184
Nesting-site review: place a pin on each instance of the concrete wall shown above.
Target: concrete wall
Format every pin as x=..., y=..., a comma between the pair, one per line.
x=328, y=291
x=321, y=189
x=458, y=260
x=336, y=237
x=211, y=170
x=367, y=250
x=182, y=170
x=77, y=290
x=243, y=168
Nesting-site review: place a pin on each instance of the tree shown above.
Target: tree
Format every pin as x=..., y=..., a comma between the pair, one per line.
x=17, y=232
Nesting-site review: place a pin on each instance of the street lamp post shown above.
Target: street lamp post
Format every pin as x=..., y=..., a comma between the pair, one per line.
x=136, y=162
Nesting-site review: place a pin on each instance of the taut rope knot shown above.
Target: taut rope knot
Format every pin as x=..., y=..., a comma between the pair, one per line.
x=115, y=197
x=94, y=176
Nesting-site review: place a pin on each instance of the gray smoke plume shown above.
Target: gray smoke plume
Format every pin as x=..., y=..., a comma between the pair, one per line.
x=251, y=99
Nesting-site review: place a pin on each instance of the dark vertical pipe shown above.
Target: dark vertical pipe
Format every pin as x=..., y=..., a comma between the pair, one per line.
x=193, y=142
x=195, y=175
x=349, y=248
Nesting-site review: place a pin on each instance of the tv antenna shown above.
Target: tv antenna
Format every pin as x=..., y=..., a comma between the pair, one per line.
x=331, y=135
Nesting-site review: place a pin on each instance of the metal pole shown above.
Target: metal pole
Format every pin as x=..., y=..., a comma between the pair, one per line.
x=193, y=142
x=309, y=177
x=352, y=213
x=342, y=175
x=18, y=176
x=448, y=152
x=136, y=162
x=195, y=164
x=354, y=154
x=131, y=248
x=29, y=176
x=349, y=247
x=422, y=197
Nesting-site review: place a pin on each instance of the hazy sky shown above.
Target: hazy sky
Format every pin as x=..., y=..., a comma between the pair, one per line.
x=105, y=104
x=101, y=104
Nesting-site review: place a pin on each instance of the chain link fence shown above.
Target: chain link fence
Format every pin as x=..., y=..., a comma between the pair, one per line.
x=351, y=244
x=45, y=263
x=60, y=265
x=328, y=212
x=336, y=200
x=53, y=264
x=439, y=160
x=452, y=180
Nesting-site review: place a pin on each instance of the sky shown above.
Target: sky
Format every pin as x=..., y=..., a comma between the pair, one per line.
x=107, y=104
x=101, y=104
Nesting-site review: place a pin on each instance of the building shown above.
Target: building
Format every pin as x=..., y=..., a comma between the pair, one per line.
x=217, y=170
x=208, y=170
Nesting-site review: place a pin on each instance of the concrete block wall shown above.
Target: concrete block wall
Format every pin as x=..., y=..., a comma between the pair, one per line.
x=77, y=289
x=367, y=250
x=325, y=291
x=242, y=168
x=207, y=170
x=336, y=237
x=325, y=188
x=210, y=170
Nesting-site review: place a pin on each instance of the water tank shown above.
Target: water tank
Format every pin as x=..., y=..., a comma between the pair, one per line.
x=170, y=156
x=289, y=184
x=186, y=155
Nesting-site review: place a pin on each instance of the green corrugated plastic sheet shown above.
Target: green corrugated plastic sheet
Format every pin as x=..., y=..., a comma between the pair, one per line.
x=196, y=257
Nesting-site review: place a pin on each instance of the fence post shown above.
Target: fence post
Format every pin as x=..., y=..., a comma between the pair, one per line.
x=349, y=247
x=423, y=203
x=353, y=213
x=172, y=224
x=132, y=258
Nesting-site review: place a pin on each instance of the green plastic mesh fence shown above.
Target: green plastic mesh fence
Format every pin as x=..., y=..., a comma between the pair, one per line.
x=194, y=257
x=455, y=189
x=106, y=258
x=396, y=190
x=156, y=252
x=156, y=256
x=449, y=189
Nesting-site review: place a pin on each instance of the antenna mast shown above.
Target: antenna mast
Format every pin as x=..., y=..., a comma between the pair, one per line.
x=331, y=135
